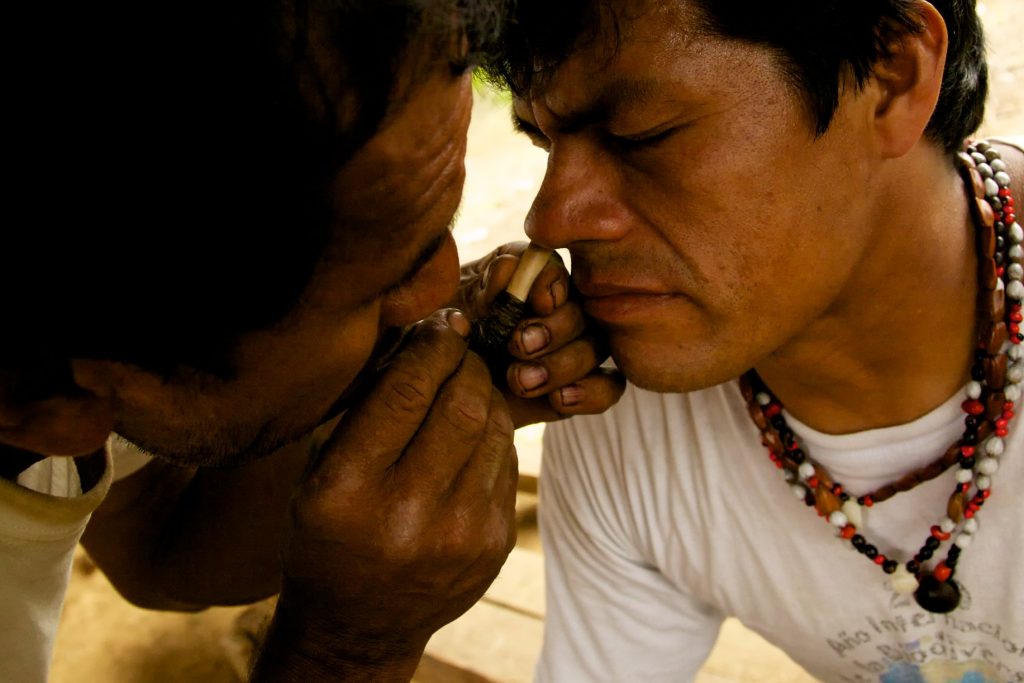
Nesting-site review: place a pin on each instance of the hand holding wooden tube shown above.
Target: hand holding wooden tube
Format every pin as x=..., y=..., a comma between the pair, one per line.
x=534, y=336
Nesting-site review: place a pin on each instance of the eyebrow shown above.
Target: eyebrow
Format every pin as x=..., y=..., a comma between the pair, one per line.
x=617, y=95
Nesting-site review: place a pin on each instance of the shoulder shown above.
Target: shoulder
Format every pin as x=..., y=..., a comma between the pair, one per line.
x=1011, y=148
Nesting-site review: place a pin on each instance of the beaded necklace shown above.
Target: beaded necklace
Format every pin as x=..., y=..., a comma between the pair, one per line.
x=997, y=372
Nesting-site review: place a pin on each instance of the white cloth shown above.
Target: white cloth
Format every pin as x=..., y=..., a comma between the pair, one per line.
x=42, y=517
x=39, y=530
x=664, y=515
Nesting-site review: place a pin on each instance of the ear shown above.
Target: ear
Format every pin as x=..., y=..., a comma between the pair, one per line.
x=908, y=83
x=73, y=419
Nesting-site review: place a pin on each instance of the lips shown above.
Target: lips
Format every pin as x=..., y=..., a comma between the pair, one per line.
x=612, y=303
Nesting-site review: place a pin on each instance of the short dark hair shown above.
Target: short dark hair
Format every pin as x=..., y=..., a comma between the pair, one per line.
x=821, y=42
x=169, y=163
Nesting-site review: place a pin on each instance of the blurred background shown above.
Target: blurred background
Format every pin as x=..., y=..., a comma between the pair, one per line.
x=103, y=638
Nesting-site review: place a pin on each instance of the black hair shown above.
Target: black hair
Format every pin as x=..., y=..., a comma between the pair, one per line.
x=821, y=43
x=169, y=163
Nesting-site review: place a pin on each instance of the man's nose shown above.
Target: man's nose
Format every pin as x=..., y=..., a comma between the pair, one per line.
x=579, y=199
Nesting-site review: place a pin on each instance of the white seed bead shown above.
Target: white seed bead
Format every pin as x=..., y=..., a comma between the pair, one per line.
x=806, y=470
x=763, y=398
x=1003, y=178
x=1012, y=391
x=1015, y=352
x=974, y=389
x=838, y=519
x=995, y=446
x=1015, y=290
x=984, y=483
x=854, y=513
x=986, y=171
x=997, y=165
x=988, y=466
x=799, y=491
x=947, y=525
x=991, y=187
x=1017, y=252
x=979, y=158
x=971, y=525
x=1016, y=233
x=962, y=540
x=1015, y=271
x=963, y=476
x=903, y=582
x=1015, y=373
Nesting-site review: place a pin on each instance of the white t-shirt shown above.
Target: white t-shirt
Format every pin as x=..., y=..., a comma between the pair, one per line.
x=42, y=517
x=664, y=515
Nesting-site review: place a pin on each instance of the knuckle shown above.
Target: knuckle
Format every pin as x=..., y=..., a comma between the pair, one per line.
x=409, y=393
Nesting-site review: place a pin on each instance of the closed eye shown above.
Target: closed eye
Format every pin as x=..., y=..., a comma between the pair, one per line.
x=531, y=131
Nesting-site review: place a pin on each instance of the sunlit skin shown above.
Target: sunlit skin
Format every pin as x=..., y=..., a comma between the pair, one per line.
x=712, y=232
x=401, y=189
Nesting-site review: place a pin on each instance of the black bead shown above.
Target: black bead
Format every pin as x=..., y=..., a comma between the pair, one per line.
x=996, y=204
x=1000, y=243
x=797, y=456
x=998, y=256
x=889, y=566
x=858, y=541
x=870, y=551
x=1000, y=228
x=954, y=552
x=788, y=438
x=967, y=462
x=932, y=543
x=924, y=555
x=951, y=562
x=937, y=596
x=913, y=567
x=809, y=500
x=977, y=373
x=778, y=422
x=970, y=437
x=971, y=422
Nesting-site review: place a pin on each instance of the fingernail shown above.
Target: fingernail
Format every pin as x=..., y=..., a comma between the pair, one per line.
x=534, y=337
x=558, y=293
x=531, y=376
x=571, y=395
x=458, y=322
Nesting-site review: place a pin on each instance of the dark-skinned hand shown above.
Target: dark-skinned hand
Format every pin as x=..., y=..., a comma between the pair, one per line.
x=403, y=520
x=555, y=355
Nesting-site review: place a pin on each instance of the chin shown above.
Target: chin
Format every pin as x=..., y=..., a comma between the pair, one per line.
x=673, y=367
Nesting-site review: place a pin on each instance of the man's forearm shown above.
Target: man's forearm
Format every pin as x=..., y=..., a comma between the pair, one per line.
x=181, y=539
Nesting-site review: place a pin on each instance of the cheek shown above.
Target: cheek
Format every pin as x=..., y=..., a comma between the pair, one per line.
x=432, y=287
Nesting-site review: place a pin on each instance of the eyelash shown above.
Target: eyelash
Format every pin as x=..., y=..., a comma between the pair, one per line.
x=628, y=144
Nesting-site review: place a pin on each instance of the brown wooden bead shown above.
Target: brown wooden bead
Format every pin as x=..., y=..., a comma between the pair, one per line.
x=772, y=442
x=993, y=335
x=977, y=182
x=957, y=504
x=986, y=242
x=986, y=216
x=825, y=501
x=966, y=160
x=994, y=405
x=748, y=392
x=993, y=303
x=988, y=274
x=757, y=415
x=824, y=478
x=995, y=371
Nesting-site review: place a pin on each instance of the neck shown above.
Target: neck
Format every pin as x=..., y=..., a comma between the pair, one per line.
x=897, y=340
